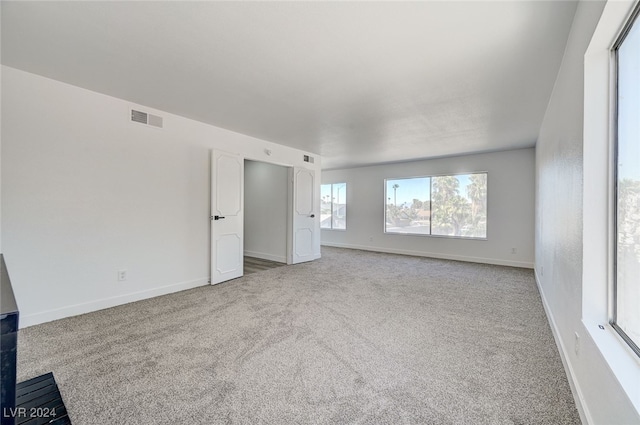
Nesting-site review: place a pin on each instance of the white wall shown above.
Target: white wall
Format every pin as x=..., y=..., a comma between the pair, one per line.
x=265, y=211
x=86, y=192
x=510, y=209
x=560, y=234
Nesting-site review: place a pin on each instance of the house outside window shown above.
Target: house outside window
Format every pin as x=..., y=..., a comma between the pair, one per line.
x=333, y=206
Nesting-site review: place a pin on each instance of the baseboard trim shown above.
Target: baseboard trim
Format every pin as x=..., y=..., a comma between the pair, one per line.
x=578, y=397
x=91, y=306
x=263, y=256
x=482, y=260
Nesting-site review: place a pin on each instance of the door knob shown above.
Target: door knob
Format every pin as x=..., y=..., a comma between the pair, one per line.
x=217, y=217
x=312, y=215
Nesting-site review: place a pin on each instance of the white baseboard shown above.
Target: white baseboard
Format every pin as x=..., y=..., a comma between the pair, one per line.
x=578, y=397
x=495, y=261
x=264, y=256
x=88, y=307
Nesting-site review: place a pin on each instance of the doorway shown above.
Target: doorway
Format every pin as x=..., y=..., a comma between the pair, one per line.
x=301, y=232
x=266, y=207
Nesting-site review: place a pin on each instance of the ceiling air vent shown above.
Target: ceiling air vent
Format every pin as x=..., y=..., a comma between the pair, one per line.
x=307, y=158
x=144, y=118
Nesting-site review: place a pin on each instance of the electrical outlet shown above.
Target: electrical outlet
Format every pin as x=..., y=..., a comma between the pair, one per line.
x=514, y=251
x=122, y=275
x=370, y=238
x=576, y=344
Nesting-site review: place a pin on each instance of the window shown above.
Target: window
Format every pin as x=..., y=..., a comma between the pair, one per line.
x=626, y=311
x=454, y=206
x=333, y=206
x=412, y=215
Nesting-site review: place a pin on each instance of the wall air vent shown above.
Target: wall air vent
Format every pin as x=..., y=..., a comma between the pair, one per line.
x=144, y=118
x=155, y=121
x=137, y=116
x=307, y=158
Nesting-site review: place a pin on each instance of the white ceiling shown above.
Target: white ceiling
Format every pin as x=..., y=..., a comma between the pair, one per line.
x=356, y=82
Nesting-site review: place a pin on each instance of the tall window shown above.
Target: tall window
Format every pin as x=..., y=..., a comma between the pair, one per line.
x=454, y=205
x=408, y=206
x=333, y=206
x=626, y=314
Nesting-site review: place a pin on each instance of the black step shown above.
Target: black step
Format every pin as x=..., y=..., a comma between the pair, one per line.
x=38, y=402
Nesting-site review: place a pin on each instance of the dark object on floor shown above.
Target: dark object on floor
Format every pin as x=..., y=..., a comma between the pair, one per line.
x=38, y=401
x=8, y=344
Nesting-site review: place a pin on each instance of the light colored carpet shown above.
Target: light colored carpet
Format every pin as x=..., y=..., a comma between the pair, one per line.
x=356, y=337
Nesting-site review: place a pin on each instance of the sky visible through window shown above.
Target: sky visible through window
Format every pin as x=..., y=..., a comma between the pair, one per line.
x=628, y=101
x=408, y=190
x=418, y=188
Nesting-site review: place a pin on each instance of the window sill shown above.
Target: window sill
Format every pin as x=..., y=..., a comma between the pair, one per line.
x=621, y=359
x=468, y=238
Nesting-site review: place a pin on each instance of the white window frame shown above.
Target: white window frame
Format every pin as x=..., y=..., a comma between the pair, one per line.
x=598, y=216
x=633, y=20
x=345, y=205
x=430, y=234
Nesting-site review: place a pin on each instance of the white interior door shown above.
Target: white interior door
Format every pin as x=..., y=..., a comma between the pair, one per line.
x=304, y=215
x=227, y=222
